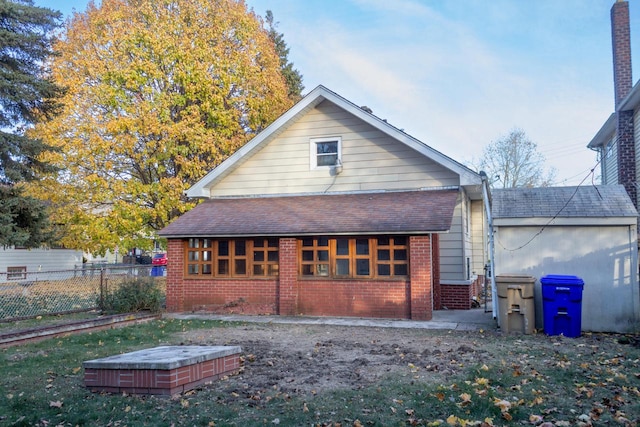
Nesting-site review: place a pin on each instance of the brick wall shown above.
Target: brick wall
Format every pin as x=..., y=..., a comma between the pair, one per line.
x=621, y=48
x=175, y=283
x=627, y=154
x=460, y=296
x=289, y=295
x=362, y=298
x=421, y=288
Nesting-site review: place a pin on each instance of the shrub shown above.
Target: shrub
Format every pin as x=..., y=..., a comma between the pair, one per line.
x=133, y=295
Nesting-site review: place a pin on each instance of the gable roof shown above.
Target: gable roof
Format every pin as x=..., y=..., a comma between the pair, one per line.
x=602, y=201
x=608, y=129
x=315, y=97
x=605, y=134
x=402, y=212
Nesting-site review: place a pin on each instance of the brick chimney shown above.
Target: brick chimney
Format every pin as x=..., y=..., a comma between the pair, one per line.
x=623, y=82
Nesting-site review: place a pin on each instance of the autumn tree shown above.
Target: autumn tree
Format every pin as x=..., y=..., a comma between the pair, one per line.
x=291, y=75
x=158, y=93
x=26, y=94
x=514, y=161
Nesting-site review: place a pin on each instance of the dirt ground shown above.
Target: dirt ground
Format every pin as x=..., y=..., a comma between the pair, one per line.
x=301, y=359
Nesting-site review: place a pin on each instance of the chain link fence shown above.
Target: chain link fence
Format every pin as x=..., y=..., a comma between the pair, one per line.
x=31, y=294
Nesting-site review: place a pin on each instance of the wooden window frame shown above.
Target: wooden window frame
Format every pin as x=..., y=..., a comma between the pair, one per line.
x=203, y=258
x=313, y=267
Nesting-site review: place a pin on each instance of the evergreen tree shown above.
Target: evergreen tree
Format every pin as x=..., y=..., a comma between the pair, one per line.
x=291, y=75
x=26, y=94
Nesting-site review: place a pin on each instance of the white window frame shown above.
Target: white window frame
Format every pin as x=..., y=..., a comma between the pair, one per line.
x=313, y=152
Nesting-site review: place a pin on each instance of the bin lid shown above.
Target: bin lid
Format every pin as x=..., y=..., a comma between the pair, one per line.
x=514, y=278
x=559, y=279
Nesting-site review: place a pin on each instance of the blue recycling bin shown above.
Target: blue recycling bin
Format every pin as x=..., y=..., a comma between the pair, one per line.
x=157, y=271
x=562, y=305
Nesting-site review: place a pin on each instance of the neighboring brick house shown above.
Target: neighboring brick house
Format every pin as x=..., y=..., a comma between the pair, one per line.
x=330, y=211
x=618, y=140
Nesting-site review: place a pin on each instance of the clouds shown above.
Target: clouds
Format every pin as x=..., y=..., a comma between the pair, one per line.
x=460, y=74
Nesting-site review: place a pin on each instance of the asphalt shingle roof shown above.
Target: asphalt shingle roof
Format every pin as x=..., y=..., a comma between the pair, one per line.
x=361, y=213
x=562, y=202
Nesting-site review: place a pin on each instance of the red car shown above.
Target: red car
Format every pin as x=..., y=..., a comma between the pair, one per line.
x=159, y=259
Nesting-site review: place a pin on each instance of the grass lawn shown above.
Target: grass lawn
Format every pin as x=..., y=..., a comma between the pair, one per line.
x=521, y=380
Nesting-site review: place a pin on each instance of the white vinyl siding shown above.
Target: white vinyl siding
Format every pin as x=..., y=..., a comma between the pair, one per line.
x=478, y=237
x=371, y=161
x=452, y=251
x=609, y=162
x=40, y=259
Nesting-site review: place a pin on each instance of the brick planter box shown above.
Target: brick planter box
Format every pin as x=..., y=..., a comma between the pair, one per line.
x=165, y=370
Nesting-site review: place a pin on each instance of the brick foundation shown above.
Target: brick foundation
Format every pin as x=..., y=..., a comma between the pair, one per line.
x=459, y=296
x=154, y=378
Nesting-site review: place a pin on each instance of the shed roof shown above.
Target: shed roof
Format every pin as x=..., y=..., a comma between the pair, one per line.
x=601, y=201
x=407, y=212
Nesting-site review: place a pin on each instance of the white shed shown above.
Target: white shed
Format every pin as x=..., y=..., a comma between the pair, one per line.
x=589, y=232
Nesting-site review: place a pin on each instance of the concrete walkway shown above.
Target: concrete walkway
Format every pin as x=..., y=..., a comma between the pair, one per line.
x=460, y=320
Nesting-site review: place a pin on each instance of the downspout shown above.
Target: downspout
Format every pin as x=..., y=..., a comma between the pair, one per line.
x=487, y=206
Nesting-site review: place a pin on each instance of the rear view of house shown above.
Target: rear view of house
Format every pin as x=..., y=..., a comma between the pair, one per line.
x=330, y=211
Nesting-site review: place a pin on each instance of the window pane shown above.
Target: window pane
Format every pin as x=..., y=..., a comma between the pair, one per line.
x=323, y=241
x=327, y=147
x=400, y=254
x=307, y=255
x=362, y=267
x=273, y=242
x=307, y=242
x=307, y=270
x=223, y=267
x=400, y=270
x=223, y=248
x=206, y=269
x=193, y=256
x=240, y=266
x=327, y=159
x=258, y=270
x=322, y=269
x=273, y=270
x=383, y=241
x=342, y=246
x=400, y=240
x=342, y=267
x=323, y=255
x=362, y=246
x=206, y=256
x=272, y=256
x=192, y=268
x=240, y=247
x=206, y=243
x=258, y=243
x=258, y=256
x=193, y=243
x=384, y=254
x=384, y=270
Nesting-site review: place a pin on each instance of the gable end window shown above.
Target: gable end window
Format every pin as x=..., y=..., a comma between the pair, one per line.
x=325, y=152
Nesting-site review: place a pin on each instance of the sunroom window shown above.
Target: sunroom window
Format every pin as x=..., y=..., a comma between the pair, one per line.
x=354, y=257
x=231, y=257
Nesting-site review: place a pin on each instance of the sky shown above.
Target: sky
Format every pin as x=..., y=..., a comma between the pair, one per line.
x=460, y=74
